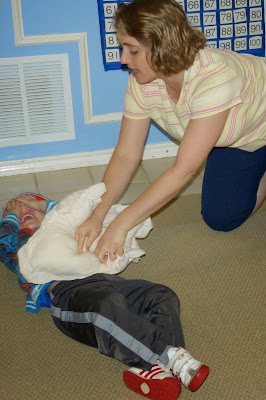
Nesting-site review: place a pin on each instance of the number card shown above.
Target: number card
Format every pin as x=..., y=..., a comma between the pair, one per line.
x=237, y=25
x=110, y=46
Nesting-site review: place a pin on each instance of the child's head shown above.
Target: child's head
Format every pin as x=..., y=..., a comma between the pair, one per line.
x=29, y=218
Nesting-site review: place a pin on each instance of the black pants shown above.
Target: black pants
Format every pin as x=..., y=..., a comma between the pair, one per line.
x=131, y=320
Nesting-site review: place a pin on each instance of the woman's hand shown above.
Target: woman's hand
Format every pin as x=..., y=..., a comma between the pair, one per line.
x=31, y=202
x=12, y=207
x=111, y=244
x=90, y=230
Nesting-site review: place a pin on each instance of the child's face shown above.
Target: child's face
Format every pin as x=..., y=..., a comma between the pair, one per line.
x=29, y=218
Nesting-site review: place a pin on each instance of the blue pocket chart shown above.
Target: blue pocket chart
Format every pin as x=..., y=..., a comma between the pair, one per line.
x=237, y=25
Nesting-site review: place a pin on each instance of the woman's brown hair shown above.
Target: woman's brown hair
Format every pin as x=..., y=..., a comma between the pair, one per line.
x=162, y=26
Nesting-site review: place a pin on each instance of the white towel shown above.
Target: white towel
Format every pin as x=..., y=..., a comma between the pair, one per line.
x=51, y=253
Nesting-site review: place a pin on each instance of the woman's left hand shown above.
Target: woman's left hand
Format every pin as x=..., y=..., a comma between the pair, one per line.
x=111, y=244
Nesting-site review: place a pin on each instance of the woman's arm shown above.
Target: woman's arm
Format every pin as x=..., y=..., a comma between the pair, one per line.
x=200, y=137
x=123, y=164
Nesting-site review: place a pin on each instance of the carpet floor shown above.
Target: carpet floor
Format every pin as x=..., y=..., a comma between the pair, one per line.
x=220, y=279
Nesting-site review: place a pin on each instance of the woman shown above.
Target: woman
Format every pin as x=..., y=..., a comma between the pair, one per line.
x=213, y=101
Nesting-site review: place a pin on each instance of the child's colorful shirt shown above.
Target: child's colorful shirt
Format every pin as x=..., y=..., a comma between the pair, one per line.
x=11, y=240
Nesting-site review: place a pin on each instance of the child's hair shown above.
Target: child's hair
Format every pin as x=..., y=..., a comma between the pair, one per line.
x=162, y=26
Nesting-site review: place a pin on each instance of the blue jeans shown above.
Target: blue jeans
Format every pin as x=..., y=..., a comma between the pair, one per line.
x=231, y=180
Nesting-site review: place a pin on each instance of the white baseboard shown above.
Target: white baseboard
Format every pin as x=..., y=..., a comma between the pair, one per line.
x=77, y=160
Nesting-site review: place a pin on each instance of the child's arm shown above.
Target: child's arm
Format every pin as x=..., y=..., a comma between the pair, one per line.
x=50, y=205
x=11, y=240
x=9, y=234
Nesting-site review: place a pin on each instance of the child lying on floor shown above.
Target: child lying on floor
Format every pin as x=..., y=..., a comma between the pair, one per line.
x=52, y=253
x=135, y=321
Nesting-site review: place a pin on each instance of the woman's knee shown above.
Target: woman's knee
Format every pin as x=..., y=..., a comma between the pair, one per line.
x=229, y=192
x=224, y=222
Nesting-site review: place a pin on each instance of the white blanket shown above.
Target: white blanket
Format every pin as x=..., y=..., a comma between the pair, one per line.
x=51, y=253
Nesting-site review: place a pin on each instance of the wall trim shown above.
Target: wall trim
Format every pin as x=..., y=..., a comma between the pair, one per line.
x=81, y=39
x=77, y=160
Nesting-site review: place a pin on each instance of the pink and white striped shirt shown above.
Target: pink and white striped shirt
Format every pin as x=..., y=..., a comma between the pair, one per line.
x=218, y=80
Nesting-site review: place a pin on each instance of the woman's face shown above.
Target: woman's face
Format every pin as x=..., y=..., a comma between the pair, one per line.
x=135, y=55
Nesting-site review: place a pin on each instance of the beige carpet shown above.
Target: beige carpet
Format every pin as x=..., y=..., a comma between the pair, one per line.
x=220, y=280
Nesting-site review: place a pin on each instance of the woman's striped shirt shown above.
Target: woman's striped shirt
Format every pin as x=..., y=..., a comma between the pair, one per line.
x=218, y=80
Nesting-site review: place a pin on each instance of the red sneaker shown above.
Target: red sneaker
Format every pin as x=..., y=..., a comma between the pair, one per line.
x=156, y=384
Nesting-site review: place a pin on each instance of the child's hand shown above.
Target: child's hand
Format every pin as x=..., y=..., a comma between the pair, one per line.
x=31, y=201
x=12, y=207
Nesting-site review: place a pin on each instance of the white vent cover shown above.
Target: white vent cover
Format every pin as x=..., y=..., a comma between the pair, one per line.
x=35, y=100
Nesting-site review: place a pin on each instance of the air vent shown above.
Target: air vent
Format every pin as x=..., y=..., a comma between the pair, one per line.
x=35, y=100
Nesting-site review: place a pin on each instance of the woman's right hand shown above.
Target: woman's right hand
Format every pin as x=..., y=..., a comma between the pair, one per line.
x=90, y=230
